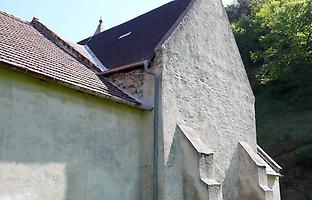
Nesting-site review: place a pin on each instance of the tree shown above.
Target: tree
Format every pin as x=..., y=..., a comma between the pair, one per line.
x=246, y=34
x=237, y=9
x=287, y=50
x=275, y=41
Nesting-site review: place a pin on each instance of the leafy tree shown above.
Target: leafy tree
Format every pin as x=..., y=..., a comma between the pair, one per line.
x=257, y=4
x=274, y=38
x=246, y=34
x=286, y=46
x=237, y=9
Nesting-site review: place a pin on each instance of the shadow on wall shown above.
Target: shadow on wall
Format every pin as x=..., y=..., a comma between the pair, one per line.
x=230, y=186
x=182, y=170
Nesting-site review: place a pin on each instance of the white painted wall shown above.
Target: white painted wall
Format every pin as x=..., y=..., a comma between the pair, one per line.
x=205, y=87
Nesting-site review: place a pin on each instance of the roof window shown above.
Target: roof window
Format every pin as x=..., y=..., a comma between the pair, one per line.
x=124, y=35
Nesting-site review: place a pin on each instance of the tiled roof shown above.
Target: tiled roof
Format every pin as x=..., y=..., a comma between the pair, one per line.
x=136, y=40
x=31, y=47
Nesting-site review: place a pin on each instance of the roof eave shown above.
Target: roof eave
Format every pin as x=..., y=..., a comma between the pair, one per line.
x=74, y=86
x=268, y=159
x=124, y=68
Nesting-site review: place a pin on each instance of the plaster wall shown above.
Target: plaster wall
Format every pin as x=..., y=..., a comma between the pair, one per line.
x=273, y=183
x=205, y=87
x=56, y=143
x=252, y=173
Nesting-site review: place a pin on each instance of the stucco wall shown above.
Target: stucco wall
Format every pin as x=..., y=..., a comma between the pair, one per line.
x=56, y=143
x=205, y=86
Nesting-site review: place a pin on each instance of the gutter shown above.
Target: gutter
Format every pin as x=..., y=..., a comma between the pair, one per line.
x=155, y=128
x=125, y=67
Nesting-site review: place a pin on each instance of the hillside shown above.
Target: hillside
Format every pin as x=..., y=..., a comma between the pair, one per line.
x=275, y=41
x=285, y=131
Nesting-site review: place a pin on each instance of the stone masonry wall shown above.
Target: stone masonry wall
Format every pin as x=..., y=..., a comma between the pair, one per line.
x=130, y=82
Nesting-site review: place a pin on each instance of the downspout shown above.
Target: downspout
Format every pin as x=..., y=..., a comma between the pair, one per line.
x=156, y=128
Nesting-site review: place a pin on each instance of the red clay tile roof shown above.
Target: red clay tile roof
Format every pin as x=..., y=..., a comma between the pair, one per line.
x=136, y=40
x=27, y=49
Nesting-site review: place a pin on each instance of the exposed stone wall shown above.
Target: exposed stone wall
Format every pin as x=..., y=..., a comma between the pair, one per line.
x=130, y=82
x=136, y=83
x=205, y=87
x=59, y=144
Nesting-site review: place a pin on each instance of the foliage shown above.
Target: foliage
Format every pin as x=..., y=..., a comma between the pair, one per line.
x=257, y=4
x=274, y=38
x=237, y=9
x=304, y=158
x=286, y=46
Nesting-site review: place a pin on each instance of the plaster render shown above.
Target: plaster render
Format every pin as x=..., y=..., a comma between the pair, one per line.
x=205, y=87
x=56, y=143
x=273, y=183
x=183, y=167
x=252, y=170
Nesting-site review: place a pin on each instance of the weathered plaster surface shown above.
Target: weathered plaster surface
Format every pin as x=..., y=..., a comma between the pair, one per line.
x=273, y=183
x=56, y=143
x=253, y=180
x=136, y=83
x=205, y=87
x=131, y=81
x=183, y=169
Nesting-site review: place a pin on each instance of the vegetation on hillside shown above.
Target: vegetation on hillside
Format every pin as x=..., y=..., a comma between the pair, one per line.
x=275, y=41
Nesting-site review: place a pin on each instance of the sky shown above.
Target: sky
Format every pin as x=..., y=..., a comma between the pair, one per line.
x=75, y=20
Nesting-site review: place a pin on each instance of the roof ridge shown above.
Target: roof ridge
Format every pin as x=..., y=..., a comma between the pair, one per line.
x=14, y=17
x=134, y=18
x=121, y=24
x=62, y=44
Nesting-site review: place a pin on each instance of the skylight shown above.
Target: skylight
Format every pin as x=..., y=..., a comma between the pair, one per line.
x=124, y=35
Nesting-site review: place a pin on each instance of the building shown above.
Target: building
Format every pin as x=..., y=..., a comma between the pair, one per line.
x=159, y=108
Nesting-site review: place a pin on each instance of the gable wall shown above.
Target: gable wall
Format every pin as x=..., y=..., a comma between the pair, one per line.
x=205, y=86
x=56, y=143
x=131, y=82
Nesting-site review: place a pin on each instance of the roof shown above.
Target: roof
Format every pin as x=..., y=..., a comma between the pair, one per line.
x=136, y=40
x=272, y=167
x=34, y=49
